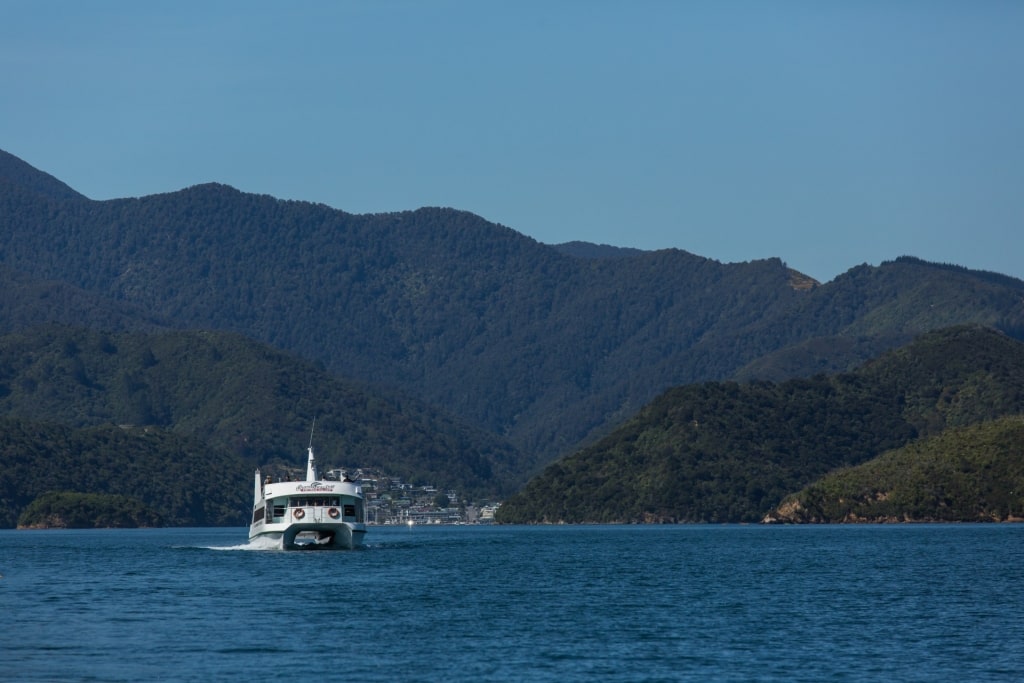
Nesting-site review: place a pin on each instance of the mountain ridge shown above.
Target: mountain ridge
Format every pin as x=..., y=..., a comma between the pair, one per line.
x=242, y=398
x=17, y=172
x=729, y=452
x=547, y=350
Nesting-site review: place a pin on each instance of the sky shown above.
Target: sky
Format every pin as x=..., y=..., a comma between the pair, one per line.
x=826, y=133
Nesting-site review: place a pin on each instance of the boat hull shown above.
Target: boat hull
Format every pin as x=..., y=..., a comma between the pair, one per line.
x=311, y=536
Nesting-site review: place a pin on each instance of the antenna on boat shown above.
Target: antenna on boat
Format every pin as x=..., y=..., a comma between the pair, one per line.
x=311, y=463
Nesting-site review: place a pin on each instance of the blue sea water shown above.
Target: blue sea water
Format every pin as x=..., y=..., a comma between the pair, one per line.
x=575, y=603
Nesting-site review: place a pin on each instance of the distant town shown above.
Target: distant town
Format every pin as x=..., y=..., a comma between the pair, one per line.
x=389, y=500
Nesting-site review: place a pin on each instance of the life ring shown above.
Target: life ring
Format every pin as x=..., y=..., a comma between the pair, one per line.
x=333, y=512
x=299, y=514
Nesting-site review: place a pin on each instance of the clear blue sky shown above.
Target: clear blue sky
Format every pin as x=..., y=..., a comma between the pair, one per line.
x=827, y=133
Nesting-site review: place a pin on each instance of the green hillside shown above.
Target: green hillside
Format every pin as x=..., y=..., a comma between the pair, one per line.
x=241, y=398
x=968, y=474
x=27, y=301
x=545, y=347
x=179, y=480
x=69, y=510
x=729, y=452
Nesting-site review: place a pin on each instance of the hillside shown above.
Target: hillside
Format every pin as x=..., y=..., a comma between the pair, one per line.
x=241, y=398
x=969, y=474
x=70, y=510
x=542, y=348
x=180, y=479
x=17, y=174
x=28, y=301
x=729, y=452
x=595, y=251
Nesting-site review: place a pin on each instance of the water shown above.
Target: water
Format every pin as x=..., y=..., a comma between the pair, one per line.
x=681, y=603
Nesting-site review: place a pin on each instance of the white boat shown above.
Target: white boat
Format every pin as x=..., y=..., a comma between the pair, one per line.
x=313, y=513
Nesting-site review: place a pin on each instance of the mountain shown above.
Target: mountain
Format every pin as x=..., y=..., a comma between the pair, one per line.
x=548, y=348
x=241, y=398
x=730, y=452
x=180, y=480
x=70, y=510
x=968, y=474
x=595, y=251
x=27, y=301
x=19, y=175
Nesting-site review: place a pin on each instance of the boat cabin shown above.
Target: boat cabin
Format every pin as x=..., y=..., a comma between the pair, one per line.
x=336, y=508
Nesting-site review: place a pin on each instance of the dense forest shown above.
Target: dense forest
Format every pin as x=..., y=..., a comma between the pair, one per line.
x=729, y=452
x=243, y=398
x=70, y=510
x=547, y=347
x=180, y=480
x=451, y=350
x=967, y=474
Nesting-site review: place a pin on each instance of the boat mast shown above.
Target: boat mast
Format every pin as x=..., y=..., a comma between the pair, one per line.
x=257, y=493
x=311, y=462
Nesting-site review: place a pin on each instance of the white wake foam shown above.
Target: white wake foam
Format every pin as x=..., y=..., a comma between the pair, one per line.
x=262, y=543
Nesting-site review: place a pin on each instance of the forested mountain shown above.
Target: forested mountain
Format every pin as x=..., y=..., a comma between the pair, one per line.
x=181, y=479
x=730, y=452
x=967, y=474
x=16, y=173
x=542, y=347
x=242, y=398
x=26, y=301
x=595, y=251
x=71, y=510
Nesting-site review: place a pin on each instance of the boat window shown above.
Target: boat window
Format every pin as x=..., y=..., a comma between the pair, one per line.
x=350, y=510
x=257, y=514
x=330, y=501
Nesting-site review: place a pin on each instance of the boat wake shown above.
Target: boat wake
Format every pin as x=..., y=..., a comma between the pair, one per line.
x=255, y=544
x=265, y=545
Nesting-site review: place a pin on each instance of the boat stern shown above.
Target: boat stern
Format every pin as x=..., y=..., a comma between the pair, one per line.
x=342, y=535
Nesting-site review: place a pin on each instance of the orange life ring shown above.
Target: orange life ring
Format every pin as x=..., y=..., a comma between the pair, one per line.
x=333, y=512
x=299, y=514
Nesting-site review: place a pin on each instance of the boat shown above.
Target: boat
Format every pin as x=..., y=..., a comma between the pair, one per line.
x=309, y=514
